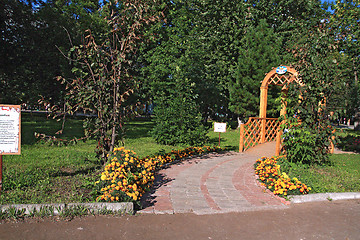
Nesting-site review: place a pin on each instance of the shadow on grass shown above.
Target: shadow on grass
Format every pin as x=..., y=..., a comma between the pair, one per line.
x=138, y=129
x=39, y=123
x=350, y=143
x=214, y=141
x=68, y=172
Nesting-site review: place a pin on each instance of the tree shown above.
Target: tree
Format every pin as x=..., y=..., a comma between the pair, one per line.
x=177, y=116
x=105, y=71
x=33, y=33
x=177, y=41
x=345, y=24
x=19, y=27
x=258, y=54
x=223, y=27
x=174, y=73
x=307, y=124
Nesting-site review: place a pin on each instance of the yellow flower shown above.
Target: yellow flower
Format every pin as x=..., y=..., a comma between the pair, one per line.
x=103, y=177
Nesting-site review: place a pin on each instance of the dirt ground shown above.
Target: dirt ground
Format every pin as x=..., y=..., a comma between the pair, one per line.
x=321, y=220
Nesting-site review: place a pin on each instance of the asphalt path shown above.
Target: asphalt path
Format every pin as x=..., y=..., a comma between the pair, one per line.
x=316, y=220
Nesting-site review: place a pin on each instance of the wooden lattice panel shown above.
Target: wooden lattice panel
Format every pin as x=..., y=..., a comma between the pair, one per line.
x=252, y=131
x=258, y=130
x=272, y=128
x=284, y=79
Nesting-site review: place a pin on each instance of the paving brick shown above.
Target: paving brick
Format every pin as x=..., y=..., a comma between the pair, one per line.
x=215, y=183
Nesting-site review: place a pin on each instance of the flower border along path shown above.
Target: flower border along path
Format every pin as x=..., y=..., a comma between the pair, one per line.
x=219, y=183
x=215, y=183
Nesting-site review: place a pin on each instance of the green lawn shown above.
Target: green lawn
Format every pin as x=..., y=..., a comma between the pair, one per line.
x=341, y=174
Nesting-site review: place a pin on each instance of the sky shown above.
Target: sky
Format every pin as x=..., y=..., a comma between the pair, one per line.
x=328, y=1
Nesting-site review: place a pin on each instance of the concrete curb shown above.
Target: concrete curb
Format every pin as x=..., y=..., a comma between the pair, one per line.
x=317, y=197
x=122, y=207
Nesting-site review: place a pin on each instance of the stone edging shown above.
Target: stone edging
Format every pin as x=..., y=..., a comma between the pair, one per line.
x=122, y=207
x=316, y=197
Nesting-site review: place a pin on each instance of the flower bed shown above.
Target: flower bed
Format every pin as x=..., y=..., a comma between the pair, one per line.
x=126, y=178
x=279, y=183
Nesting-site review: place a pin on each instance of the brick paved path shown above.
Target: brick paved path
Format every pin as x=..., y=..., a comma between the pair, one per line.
x=215, y=183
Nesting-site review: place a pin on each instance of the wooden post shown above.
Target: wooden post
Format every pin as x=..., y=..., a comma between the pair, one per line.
x=332, y=146
x=263, y=130
x=241, y=145
x=263, y=101
x=262, y=114
x=219, y=139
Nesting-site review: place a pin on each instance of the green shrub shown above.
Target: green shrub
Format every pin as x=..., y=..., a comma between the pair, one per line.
x=178, y=119
x=305, y=146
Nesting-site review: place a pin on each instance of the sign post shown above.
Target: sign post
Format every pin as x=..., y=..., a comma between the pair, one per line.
x=10, y=133
x=219, y=127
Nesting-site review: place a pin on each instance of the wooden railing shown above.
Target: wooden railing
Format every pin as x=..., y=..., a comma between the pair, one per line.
x=258, y=130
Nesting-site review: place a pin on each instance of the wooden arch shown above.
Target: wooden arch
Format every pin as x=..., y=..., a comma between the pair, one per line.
x=262, y=129
x=281, y=76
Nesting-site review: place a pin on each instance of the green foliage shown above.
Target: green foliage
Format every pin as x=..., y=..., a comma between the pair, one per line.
x=258, y=54
x=305, y=146
x=33, y=33
x=345, y=24
x=178, y=49
x=177, y=117
x=104, y=73
x=307, y=119
x=348, y=140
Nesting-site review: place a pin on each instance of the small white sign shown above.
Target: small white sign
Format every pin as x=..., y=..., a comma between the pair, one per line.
x=219, y=127
x=281, y=70
x=10, y=129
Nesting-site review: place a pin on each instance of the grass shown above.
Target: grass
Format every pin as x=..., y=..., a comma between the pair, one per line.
x=229, y=140
x=63, y=174
x=341, y=174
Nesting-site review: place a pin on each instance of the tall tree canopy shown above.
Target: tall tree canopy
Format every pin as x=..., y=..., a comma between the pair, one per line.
x=259, y=53
x=344, y=23
x=104, y=72
x=33, y=32
x=220, y=49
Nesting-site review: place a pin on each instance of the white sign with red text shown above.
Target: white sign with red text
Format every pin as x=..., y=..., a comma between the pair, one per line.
x=10, y=124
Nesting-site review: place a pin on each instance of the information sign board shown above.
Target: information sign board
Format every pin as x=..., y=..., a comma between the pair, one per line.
x=219, y=127
x=10, y=129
